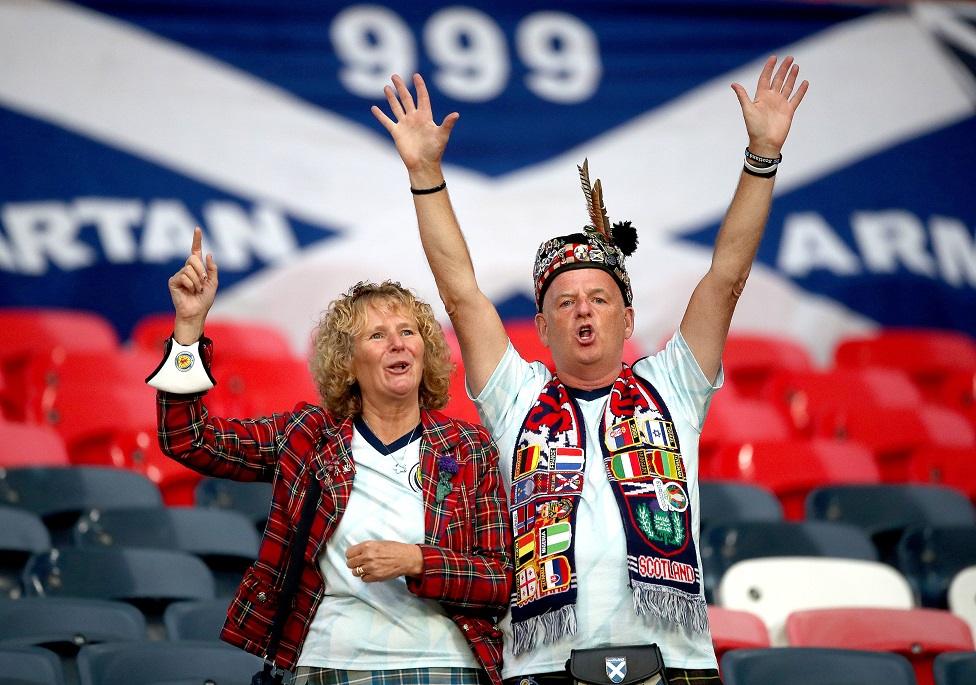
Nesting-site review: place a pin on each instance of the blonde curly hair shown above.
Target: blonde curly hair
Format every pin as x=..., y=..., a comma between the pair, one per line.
x=332, y=346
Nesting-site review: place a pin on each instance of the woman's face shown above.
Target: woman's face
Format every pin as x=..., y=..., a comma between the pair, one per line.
x=388, y=355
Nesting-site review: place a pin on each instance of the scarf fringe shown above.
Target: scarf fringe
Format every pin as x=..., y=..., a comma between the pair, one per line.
x=687, y=610
x=547, y=628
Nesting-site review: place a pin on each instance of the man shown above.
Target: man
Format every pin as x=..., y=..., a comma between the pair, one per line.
x=600, y=460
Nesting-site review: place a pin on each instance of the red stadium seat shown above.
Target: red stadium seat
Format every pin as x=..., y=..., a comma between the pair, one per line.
x=250, y=387
x=927, y=355
x=958, y=392
x=735, y=629
x=792, y=469
x=750, y=359
x=917, y=634
x=955, y=467
x=232, y=338
x=734, y=421
x=28, y=445
x=28, y=332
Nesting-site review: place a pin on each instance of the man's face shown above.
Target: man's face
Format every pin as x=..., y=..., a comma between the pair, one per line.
x=584, y=324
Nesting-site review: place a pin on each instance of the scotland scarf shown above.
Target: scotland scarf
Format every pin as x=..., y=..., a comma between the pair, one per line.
x=642, y=460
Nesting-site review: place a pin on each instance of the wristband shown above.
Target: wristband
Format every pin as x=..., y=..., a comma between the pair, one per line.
x=182, y=370
x=763, y=160
x=428, y=191
x=762, y=172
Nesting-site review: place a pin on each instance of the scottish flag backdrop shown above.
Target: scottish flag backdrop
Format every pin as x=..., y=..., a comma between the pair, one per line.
x=124, y=124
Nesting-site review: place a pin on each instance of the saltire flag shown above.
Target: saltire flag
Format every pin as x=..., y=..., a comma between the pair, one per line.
x=567, y=482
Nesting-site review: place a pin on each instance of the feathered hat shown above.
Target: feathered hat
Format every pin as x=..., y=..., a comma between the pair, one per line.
x=599, y=246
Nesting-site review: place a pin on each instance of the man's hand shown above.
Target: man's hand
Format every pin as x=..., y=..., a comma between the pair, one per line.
x=193, y=289
x=418, y=139
x=768, y=116
x=374, y=561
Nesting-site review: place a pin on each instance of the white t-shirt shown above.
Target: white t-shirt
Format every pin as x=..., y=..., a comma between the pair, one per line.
x=604, y=607
x=380, y=626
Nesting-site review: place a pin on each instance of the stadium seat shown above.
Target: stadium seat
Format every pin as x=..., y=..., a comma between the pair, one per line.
x=813, y=397
x=77, y=489
x=734, y=421
x=917, y=634
x=928, y=355
x=955, y=668
x=750, y=359
x=68, y=623
x=170, y=662
x=724, y=502
x=792, y=469
x=773, y=587
x=958, y=391
x=249, y=498
x=885, y=511
x=732, y=629
x=22, y=534
x=962, y=596
x=145, y=577
x=250, y=388
x=23, y=444
x=814, y=666
x=724, y=545
x=26, y=332
x=225, y=540
x=200, y=620
x=931, y=556
x=233, y=337
x=945, y=466
x=30, y=666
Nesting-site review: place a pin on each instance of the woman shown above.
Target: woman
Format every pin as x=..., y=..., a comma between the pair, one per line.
x=405, y=568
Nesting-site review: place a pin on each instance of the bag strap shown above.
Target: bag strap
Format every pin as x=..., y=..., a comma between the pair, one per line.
x=292, y=575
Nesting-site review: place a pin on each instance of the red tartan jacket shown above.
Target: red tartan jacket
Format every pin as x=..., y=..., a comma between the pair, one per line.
x=467, y=538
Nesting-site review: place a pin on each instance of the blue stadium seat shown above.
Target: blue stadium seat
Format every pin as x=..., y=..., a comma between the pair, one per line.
x=133, y=575
x=54, y=621
x=724, y=545
x=30, y=666
x=201, y=620
x=225, y=540
x=21, y=535
x=931, y=556
x=885, y=511
x=170, y=662
x=814, y=666
x=249, y=498
x=59, y=495
x=955, y=668
x=724, y=502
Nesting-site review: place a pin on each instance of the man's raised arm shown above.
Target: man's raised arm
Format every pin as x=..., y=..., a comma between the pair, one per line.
x=768, y=116
x=421, y=144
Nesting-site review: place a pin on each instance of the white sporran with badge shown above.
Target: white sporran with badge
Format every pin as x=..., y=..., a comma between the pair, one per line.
x=630, y=665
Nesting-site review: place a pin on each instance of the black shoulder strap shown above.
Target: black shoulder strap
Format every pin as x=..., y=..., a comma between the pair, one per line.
x=294, y=572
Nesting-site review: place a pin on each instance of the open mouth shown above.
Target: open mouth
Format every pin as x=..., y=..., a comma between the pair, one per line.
x=399, y=367
x=585, y=334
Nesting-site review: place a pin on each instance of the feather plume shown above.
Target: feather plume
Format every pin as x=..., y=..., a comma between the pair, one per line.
x=594, y=201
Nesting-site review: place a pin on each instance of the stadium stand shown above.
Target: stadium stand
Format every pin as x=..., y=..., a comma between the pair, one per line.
x=67, y=623
x=725, y=501
x=749, y=360
x=249, y=498
x=733, y=629
x=30, y=666
x=962, y=596
x=735, y=421
x=234, y=338
x=917, y=634
x=22, y=534
x=23, y=444
x=931, y=556
x=814, y=666
x=955, y=668
x=170, y=662
x=885, y=511
x=792, y=469
x=773, y=587
x=945, y=466
x=196, y=620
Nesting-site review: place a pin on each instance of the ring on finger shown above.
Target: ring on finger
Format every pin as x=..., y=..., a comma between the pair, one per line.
x=360, y=571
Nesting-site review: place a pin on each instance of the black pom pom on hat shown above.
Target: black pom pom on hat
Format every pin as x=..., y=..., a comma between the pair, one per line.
x=625, y=237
